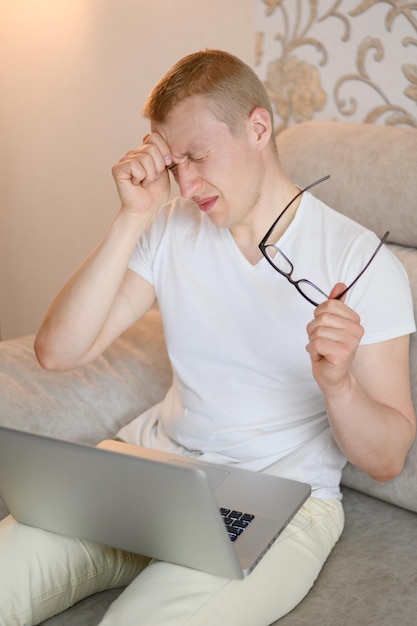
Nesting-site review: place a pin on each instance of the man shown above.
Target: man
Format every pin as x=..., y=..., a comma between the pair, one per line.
x=263, y=378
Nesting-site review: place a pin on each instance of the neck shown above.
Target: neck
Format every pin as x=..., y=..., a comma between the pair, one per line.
x=276, y=192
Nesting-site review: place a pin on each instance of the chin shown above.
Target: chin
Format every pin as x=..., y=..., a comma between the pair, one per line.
x=219, y=220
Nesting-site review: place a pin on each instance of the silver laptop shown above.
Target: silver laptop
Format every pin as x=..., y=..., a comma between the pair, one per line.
x=209, y=517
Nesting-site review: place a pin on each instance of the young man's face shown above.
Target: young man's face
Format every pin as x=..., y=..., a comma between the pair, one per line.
x=219, y=171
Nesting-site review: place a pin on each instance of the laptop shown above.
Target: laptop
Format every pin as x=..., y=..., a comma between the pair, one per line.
x=210, y=517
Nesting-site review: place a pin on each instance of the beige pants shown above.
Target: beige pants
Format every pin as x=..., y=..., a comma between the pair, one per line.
x=41, y=574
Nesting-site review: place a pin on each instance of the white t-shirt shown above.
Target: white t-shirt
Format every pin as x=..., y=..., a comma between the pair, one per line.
x=243, y=393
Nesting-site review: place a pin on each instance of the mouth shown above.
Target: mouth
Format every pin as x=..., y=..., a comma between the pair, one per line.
x=205, y=204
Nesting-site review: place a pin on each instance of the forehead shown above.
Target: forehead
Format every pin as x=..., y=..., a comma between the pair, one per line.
x=191, y=126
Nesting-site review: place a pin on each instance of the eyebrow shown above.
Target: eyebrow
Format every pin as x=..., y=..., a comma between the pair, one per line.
x=189, y=155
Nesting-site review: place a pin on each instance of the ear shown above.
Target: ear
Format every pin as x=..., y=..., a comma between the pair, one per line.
x=260, y=125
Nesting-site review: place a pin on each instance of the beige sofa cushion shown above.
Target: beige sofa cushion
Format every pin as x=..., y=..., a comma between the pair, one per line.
x=90, y=403
x=373, y=172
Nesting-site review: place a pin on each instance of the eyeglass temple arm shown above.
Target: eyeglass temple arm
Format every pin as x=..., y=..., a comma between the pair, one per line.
x=316, y=182
x=381, y=243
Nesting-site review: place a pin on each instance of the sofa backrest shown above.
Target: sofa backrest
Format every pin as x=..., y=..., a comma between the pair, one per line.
x=373, y=180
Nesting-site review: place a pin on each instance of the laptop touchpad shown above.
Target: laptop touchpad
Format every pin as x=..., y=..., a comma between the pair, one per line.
x=215, y=476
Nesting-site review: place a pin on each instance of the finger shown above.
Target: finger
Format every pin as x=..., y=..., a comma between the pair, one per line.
x=334, y=324
x=152, y=163
x=337, y=290
x=157, y=140
x=333, y=313
x=145, y=164
x=333, y=320
x=129, y=169
x=335, y=306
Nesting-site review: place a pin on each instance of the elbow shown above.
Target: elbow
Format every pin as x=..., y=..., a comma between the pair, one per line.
x=384, y=478
x=388, y=471
x=393, y=464
x=60, y=355
x=44, y=357
x=49, y=359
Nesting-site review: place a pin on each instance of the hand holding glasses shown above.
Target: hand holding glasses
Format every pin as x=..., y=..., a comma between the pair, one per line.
x=283, y=265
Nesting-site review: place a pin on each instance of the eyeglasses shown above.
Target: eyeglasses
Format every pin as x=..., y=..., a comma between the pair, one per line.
x=283, y=265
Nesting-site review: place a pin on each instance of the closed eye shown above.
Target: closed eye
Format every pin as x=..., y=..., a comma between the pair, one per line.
x=200, y=157
x=188, y=158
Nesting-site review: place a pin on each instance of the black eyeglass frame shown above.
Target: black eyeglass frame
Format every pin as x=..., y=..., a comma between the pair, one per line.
x=263, y=248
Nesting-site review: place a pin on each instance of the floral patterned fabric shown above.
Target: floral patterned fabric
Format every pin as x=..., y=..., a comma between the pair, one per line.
x=346, y=60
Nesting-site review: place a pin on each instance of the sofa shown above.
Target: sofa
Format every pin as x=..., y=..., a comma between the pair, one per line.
x=371, y=576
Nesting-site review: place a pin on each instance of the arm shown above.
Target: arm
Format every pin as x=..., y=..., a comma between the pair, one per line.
x=366, y=390
x=103, y=298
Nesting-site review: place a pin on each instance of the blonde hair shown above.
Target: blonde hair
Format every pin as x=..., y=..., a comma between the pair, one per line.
x=231, y=86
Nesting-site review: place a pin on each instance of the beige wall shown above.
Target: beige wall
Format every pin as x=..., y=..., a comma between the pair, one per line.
x=74, y=75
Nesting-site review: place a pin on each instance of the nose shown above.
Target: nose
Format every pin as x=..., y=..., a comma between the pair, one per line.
x=187, y=179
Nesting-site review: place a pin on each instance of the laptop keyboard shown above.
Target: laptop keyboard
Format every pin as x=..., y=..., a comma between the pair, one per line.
x=236, y=522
